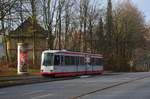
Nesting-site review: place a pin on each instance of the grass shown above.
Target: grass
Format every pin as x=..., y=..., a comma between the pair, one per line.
x=34, y=70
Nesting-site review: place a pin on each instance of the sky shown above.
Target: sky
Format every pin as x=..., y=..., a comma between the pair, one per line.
x=143, y=6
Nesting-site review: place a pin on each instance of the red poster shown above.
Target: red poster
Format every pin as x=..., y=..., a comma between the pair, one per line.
x=23, y=61
x=23, y=57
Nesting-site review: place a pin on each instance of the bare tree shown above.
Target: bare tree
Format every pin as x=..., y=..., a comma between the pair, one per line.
x=33, y=6
x=5, y=7
x=49, y=12
x=83, y=22
x=67, y=21
x=92, y=18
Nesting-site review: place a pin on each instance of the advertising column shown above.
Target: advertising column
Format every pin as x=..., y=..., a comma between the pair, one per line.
x=22, y=67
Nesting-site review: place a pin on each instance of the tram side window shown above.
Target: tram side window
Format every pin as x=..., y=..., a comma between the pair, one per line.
x=62, y=60
x=67, y=60
x=72, y=60
x=96, y=61
x=99, y=61
x=57, y=60
x=92, y=61
x=77, y=60
x=82, y=61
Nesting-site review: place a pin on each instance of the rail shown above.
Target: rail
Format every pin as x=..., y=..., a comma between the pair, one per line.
x=108, y=87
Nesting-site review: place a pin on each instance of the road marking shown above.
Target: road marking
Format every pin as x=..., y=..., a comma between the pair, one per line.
x=42, y=96
x=33, y=92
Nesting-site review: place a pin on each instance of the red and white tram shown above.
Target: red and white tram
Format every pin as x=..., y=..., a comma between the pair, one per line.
x=57, y=63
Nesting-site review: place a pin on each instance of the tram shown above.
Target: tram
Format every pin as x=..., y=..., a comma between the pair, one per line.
x=57, y=63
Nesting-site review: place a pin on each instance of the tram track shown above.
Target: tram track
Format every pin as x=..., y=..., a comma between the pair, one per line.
x=109, y=87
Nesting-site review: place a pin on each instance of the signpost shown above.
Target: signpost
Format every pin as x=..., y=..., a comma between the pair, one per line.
x=22, y=67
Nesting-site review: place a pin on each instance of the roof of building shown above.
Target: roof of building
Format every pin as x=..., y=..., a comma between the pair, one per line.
x=26, y=29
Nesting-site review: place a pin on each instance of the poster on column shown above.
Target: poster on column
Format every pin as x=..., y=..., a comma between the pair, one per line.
x=22, y=58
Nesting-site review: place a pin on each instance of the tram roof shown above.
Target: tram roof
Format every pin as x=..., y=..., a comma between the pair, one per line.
x=71, y=52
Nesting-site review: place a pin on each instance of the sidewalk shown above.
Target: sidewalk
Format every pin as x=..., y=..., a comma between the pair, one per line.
x=13, y=80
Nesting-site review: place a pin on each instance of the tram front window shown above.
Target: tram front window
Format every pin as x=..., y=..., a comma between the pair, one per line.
x=48, y=59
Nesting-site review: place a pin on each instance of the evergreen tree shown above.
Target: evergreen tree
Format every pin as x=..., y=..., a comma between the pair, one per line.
x=109, y=36
x=100, y=36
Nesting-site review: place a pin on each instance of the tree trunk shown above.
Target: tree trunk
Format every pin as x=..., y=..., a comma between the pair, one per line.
x=34, y=36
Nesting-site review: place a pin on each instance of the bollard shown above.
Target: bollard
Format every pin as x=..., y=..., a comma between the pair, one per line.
x=22, y=67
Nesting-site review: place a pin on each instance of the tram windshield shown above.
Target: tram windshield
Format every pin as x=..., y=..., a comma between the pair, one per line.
x=48, y=59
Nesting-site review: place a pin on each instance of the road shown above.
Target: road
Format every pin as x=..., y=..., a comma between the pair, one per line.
x=111, y=86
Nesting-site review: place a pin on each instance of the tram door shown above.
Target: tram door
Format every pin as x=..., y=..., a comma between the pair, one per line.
x=87, y=62
x=77, y=63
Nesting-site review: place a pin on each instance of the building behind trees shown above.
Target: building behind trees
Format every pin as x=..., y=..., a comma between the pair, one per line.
x=24, y=34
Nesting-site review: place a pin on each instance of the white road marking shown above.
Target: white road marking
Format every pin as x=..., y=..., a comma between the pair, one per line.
x=42, y=96
x=33, y=92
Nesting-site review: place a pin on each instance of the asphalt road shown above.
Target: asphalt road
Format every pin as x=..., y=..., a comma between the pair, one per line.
x=111, y=86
